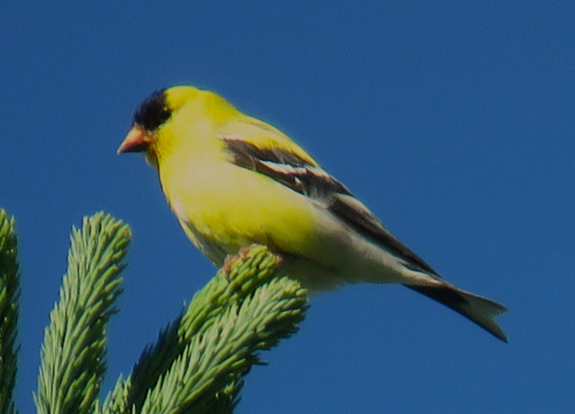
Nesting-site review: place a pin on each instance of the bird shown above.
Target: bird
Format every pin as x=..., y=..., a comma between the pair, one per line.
x=233, y=180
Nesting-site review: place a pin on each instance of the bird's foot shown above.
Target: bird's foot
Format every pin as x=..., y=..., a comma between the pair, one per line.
x=243, y=254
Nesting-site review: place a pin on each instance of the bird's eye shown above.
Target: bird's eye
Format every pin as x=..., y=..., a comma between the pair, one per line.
x=153, y=112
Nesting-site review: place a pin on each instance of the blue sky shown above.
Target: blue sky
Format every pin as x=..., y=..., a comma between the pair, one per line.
x=453, y=121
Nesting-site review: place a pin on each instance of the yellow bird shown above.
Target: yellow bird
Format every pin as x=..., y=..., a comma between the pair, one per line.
x=233, y=180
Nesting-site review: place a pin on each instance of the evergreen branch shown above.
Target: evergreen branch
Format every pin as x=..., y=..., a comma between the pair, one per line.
x=129, y=394
x=73, y=353
x=198, y=362
x=9, y=312
x=218, y=357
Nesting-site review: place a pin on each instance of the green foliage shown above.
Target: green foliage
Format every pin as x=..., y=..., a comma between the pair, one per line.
x=73, y=353
x=9, y=298
x=199, y=360
x=198, y=363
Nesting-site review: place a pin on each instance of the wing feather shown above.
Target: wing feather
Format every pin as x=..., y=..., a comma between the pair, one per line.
x=312, y=181
x=286, y=168
x=355, y=214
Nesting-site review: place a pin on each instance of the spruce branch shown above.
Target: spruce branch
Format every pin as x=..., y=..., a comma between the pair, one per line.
x=9, y=312
x=198, y=362
x=73, y=354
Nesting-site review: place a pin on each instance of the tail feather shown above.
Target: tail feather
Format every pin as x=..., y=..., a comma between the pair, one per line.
x=475, y=308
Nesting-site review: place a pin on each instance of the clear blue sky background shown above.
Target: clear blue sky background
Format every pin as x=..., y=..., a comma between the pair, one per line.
x=453, y=121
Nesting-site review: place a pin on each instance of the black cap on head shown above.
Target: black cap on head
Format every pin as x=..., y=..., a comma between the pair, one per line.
x=153, y=111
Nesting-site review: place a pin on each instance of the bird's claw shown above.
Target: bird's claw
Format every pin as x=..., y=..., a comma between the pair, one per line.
x=242, y=254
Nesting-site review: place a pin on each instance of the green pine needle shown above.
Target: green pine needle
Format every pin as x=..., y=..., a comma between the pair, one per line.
x=73, y=353
x=198, y=363
x=9, y=312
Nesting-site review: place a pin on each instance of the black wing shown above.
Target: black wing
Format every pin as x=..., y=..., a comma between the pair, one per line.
x=312, y=181
x=286, y=168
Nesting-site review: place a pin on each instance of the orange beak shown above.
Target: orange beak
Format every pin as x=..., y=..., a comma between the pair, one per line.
x=137, y=140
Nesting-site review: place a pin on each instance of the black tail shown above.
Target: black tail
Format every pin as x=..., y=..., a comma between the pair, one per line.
x=475, y=308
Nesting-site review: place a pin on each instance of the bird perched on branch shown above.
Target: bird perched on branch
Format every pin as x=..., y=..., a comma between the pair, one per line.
x=233, y=180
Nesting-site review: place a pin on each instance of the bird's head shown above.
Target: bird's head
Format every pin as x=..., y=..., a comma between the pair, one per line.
x=160, y=121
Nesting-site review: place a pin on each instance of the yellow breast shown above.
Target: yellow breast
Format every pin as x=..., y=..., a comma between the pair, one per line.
x=234, y=207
